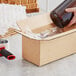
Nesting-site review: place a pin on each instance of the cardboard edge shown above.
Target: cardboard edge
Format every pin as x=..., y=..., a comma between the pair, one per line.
x=9, y=33
x=52, y=37
x=37, y=62
x=56, y=60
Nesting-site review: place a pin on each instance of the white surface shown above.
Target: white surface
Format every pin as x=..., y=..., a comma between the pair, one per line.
x=9, y=14
x=49, y=5
x=15, y=45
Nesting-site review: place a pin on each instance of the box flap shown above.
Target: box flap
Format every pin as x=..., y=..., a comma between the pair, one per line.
x=40, y=23
x=35, y=22
x=10, y=33
x=51, y=37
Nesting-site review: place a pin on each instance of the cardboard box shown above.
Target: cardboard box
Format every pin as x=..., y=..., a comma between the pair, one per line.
x=10, y=33
x=41, y=52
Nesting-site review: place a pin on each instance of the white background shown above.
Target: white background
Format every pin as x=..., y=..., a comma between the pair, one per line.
x=48, y=5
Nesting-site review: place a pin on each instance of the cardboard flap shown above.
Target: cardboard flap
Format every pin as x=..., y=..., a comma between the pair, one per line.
x=35, y=22
x=10, y=33
x=40, y=23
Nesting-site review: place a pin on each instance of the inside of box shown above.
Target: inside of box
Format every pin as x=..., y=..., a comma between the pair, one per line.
x=41, y=26
x=65, y=31
x=51, y=27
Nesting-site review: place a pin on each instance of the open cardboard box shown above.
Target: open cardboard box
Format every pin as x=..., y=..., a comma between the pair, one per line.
x=41, y=52
x=10, y=33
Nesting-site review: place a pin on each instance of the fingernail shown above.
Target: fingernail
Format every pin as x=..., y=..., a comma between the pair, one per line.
x=66, y=9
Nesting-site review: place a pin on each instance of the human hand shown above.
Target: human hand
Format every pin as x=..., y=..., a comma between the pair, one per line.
x=74, y=18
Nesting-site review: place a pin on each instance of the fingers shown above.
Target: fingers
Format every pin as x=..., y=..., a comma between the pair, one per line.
x=74, y=18
x=70, y=9
x=72, y=21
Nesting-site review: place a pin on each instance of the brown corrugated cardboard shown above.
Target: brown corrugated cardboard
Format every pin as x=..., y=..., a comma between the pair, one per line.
x=10, y=33
x=41, y=52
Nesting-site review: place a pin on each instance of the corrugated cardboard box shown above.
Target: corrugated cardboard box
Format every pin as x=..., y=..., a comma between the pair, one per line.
x=10, y=33
x=41, y=52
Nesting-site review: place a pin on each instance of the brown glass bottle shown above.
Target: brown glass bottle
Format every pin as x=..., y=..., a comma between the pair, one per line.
x=59, y=16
